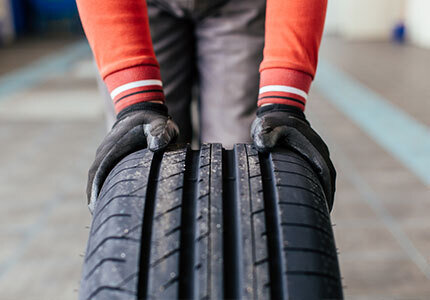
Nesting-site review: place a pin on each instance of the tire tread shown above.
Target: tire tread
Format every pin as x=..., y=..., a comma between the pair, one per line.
x=211, y=224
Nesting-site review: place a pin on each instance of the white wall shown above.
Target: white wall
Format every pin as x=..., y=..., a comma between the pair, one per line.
x=332, y=19
x=418, y=22
x=375, y=19
x=364, y=19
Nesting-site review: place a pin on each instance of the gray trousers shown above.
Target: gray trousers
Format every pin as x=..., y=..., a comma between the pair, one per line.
x=209, y=50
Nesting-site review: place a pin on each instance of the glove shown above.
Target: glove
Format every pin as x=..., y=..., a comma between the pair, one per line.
x=284, y=125
x=139, y=126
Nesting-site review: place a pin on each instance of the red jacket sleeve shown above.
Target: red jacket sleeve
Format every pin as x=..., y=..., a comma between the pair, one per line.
x=293, y=34
x=118, y=33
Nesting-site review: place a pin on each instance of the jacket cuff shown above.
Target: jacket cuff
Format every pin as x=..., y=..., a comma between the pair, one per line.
x=284, y=86
x=134, y=85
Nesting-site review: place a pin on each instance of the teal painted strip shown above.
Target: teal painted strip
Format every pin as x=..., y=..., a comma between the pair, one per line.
x=404, y=137
x=38, y=71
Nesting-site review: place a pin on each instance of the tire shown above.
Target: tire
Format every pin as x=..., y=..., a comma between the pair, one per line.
x=211, y=223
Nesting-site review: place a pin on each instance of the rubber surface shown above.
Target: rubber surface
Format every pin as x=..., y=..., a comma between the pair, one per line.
x=211, y=223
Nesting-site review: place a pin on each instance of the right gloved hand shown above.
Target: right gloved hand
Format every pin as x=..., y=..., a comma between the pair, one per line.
x=286, y=126
x=139, y=126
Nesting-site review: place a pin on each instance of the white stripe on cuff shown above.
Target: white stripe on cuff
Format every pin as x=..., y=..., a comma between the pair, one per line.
x=283, y=88
x=134, y=84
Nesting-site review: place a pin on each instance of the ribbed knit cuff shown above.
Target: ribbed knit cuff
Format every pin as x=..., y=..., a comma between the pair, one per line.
x=135, y=85
x=284, y=86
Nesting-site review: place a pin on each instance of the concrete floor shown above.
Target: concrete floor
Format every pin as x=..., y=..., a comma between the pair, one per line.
x=51, y=122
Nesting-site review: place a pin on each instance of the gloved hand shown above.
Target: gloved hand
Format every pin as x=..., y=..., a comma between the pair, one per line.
x=141, y=125
x=283, y=125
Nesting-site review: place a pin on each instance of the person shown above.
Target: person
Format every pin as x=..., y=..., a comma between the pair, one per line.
x=217, y=44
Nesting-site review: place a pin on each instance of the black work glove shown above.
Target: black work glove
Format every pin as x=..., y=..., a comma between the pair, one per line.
x=283, y=125
x=139, y=126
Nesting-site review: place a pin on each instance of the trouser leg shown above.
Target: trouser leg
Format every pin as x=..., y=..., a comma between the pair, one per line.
x=174, y=46
x=229, y=50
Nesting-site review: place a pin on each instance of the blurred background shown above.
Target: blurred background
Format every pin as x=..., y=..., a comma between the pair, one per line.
x=370, y=101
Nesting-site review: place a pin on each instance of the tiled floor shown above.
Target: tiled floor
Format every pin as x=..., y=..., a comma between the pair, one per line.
x=48, y=136
x=381, y=208
x=49, y=133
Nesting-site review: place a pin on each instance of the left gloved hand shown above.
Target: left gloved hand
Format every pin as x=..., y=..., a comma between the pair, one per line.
x=141, y=125
x=284, y=125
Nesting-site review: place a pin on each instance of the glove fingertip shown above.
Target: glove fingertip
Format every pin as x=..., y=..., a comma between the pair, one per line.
x=262, y=148
x=263, y=145
x=156, y=144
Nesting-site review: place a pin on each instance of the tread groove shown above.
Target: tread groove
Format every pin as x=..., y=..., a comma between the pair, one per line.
x=299, y=174
x=99, y=212
x=148, y=215
x=204, y=195
x=300, y=188
x=253, y=213
x=108, y=239
x=187, y=257
x=168, y=254
x=170, y=282
x=294, y=163
x=107, y=219
x=257, y=212
x=173, y=230
x=167, y=211
x=265, y=260
x=305, y=205
x=113, y=185
x=231, y=220
x=308, y=226
x=126, y=161
x=122, y=170
x=307, y=273
x=176, y=189
x=273, y=225
x=102, y=261
x=170, y=176
x=299, y=249
x=111, y=288
x=200, y=237
x=117, y=288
